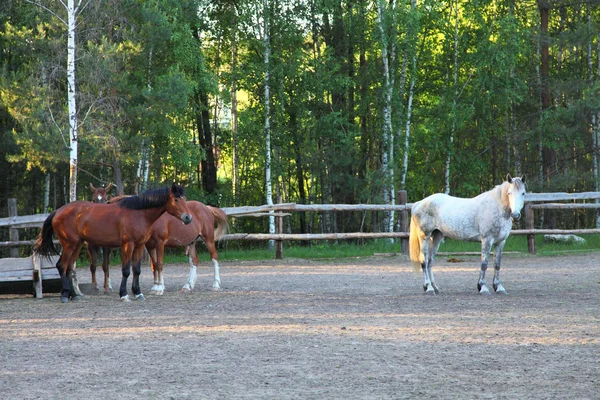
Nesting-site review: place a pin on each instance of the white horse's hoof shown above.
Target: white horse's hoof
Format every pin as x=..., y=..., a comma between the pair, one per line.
x=126, y=299
x=216, y=287
x=484, y=290
x=500, y=289
x=140, y=297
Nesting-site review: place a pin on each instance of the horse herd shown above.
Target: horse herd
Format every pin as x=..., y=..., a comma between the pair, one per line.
x=160, y=218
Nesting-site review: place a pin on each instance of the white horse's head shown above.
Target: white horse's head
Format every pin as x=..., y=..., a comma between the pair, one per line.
x=516, y=195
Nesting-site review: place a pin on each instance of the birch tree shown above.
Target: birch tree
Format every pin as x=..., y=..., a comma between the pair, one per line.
x=267, y=52
x=73, y=9
x=388, y=56
x=454, y=100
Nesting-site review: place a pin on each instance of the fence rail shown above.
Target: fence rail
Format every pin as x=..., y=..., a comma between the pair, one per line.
x=15, y=222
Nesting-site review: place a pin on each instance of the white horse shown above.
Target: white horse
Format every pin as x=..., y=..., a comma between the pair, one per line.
x=486, y=218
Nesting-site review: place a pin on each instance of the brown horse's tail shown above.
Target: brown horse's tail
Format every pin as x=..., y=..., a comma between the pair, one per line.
x=414, y=245
x=221, y=220
x=44, y=245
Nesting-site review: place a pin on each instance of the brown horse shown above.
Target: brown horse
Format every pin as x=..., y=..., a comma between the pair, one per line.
x=100, y=196
x=169, y=232
x=126, y=223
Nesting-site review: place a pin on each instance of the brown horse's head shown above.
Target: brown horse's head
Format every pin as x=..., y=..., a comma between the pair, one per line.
x=177, y=206
x=100, y=195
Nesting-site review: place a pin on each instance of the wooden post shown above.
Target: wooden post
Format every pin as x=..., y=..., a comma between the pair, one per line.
x=529, y=225
x=13, y=233
x=403, y=218
x=279, y=231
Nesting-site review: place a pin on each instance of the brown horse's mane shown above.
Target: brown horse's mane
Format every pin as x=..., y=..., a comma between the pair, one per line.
x=148, y=199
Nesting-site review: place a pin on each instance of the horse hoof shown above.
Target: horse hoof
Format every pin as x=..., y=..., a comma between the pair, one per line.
x=77, y=298
x=140, y=297
x=216, y=288
x=125, y=299
x=64, y=299
x=501, y=290
x=186, y=290
x=485, y=291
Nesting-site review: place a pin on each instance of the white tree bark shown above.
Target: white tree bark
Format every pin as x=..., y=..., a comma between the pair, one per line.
x=594, y=126
x=454, y=101
x=387, y=151
x=268, y=183
x=411, y=92
x=71, y=92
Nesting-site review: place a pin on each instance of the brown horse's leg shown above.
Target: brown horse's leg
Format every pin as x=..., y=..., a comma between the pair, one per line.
x=126, y=254
x=76, y=292
x=214, y=257
x=137, y=270
x=190, y=250
x=153, y=261
x=159, y=256
x=92, y=253
x=106, y=269
x=61, y=266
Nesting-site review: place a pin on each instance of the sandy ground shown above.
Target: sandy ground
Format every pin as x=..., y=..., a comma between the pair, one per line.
x=298, y=329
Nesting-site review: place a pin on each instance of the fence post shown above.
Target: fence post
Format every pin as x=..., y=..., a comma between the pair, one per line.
x=403, y=217
x=279, y=231
x=529, y=225
x=13, y=232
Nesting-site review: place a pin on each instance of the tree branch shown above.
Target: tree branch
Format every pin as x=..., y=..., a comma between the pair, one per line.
x=39, y=4
x=57, y=126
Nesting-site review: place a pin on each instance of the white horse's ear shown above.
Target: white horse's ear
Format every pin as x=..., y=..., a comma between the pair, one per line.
x=508, y=178
x=523, y=178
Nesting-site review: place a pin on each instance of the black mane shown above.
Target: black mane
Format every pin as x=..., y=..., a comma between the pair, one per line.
x=152, y=198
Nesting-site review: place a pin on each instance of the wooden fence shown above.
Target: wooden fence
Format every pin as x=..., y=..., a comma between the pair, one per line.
x=534, y=201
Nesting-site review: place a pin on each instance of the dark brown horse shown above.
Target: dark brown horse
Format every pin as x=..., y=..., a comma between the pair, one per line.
x=126, y=223
x=100, y=196
x=167, y=231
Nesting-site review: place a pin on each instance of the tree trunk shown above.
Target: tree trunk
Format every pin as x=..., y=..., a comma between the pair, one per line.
x=209, y=168
x=388, y=49
x=454, y=102
x=549, y=158
x=268, y=183
x=234, y=117
x=71, y=92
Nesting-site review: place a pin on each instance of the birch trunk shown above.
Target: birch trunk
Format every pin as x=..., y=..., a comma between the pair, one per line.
x=47, y=193
x=387, y=151
x=234, y=117
x=71, y=92
x=594, y=126
x=454, y=101
x=268, y=183
x=411, y=91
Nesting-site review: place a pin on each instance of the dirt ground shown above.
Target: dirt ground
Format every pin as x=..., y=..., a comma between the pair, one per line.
x=297, y=329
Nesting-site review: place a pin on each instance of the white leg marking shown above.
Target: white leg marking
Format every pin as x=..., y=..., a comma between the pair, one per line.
x=191, y=282
x=217, y=281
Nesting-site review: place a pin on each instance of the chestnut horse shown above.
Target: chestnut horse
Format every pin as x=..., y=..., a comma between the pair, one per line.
x=100, y=195
x=126, y=223
x=169, y=232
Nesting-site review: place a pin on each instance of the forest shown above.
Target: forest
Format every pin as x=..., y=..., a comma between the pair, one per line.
x=245, y=102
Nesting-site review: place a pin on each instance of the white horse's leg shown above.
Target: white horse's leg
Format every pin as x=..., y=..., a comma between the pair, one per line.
x=217, y=280
x=497, y=260
x=189, y=285
x=486, y=246
x=436, y=240
x=426, y=265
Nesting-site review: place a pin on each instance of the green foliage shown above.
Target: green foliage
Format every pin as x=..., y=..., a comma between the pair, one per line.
x=142, y=66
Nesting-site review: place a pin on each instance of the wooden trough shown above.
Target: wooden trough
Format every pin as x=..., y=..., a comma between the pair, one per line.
x=31, y=275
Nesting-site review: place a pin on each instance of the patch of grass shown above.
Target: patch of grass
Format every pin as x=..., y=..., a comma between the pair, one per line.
x=345, y=249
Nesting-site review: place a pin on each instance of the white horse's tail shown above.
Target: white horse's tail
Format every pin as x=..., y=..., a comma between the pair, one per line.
x=414, y=245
